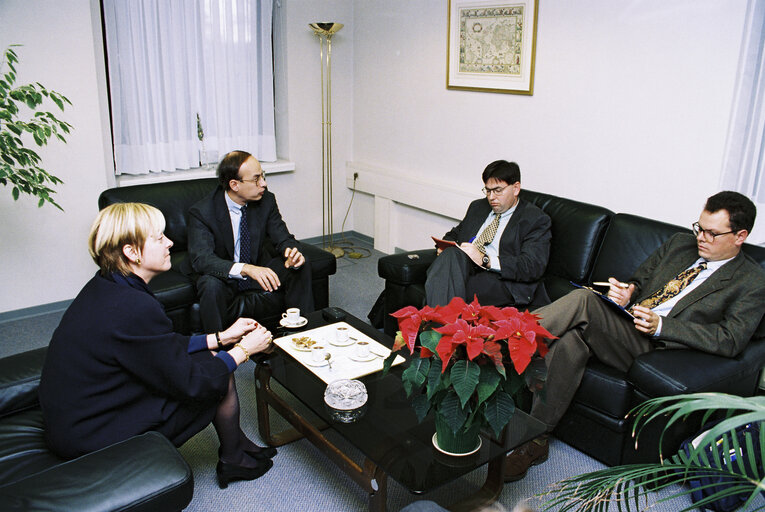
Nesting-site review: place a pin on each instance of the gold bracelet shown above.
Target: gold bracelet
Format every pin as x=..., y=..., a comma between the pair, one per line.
x=246, y=354
x=217, y=339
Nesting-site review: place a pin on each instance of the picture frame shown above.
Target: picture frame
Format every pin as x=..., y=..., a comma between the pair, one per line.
x=491, y=45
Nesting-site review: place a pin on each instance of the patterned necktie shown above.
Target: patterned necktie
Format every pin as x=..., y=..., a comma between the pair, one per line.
x=674, y=286
x=244, y=247
x=487, y=235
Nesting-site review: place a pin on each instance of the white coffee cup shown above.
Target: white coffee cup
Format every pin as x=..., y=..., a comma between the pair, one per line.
x=341, y=334
x=318, y=353
x=292, y=316
x=362, y=349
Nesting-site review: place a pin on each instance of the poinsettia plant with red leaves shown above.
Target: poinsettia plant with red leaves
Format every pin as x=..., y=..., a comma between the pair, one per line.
x=469, y=361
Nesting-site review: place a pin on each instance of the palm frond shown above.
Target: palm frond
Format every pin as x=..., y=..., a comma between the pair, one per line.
x=626, y=486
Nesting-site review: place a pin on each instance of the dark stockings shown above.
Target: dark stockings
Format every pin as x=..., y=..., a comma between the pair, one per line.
x=233, y=441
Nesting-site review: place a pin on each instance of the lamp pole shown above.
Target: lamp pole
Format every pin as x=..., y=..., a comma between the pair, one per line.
x=325, y=31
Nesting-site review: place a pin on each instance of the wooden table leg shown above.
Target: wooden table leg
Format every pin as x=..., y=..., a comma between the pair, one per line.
x=378, y=488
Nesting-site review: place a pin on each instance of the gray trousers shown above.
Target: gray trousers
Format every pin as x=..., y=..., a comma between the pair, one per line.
x=585, y=326
x=454, y=274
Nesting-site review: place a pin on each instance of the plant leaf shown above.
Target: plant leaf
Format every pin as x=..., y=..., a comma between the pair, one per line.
x=464, y=376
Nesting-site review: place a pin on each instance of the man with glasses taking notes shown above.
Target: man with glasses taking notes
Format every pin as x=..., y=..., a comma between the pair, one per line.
x=502, y=248
x=695, y=291
x=227, y=232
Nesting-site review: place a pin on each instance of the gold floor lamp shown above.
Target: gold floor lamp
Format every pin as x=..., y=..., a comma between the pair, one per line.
x=325, y=31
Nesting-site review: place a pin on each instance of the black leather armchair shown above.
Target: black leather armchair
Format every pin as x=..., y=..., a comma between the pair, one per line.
x=175, y=289
x=143, y=473
x=590, y=243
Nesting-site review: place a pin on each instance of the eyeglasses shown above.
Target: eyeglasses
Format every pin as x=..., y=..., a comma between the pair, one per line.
x=256, y=179
x=495, y=190
x=709, y=236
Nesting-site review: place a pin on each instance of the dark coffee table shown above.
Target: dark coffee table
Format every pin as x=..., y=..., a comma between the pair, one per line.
x=389, y=436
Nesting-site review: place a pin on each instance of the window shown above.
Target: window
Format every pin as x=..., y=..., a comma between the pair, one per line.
x=169, y=61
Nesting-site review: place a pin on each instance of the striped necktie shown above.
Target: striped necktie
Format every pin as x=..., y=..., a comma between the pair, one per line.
x=487, y=235
x=673, y=287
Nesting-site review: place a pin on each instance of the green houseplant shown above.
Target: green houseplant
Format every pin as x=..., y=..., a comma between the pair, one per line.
x=20, y=118
x=468, y=363
x=625, y=487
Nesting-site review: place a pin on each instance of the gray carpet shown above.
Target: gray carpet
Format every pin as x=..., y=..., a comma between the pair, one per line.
x=302, y=479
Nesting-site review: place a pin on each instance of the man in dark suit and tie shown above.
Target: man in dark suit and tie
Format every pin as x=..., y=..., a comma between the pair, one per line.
x=227, y=233
x=697, y=292
x=503, y=245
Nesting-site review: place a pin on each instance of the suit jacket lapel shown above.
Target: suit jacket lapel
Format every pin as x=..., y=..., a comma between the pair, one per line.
x=718, y=280
x=223, y=219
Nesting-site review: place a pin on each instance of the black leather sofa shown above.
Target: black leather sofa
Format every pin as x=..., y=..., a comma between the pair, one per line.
x=591, y=243
x=175, y=289
x=143, y=473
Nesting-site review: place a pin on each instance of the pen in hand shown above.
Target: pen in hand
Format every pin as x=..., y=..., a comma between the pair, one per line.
x=604, y=283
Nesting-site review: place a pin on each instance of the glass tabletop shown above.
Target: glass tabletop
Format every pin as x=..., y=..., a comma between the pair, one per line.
x=389, y=434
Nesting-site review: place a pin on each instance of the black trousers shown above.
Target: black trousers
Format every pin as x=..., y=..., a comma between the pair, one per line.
x=216, y=295
x=454, y=274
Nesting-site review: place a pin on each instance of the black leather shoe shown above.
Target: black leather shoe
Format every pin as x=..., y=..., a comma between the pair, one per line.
x=262, y=452
x=231, y=472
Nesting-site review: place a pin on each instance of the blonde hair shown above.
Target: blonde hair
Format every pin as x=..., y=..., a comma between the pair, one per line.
x=118, y=225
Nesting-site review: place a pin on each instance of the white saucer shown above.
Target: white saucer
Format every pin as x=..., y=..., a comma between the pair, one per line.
x=303, y=320
x=370, y=357
x=339, y=344
x=311, y=362
x=435, y=443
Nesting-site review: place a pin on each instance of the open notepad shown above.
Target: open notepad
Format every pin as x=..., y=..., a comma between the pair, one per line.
x=616, y=307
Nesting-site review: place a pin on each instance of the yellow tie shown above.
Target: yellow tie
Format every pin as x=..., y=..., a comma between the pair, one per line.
x=487, y=235
x=673, y=287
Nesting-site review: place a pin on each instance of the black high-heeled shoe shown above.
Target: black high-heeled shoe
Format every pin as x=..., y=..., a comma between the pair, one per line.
x=231, y=472
x=262, y=452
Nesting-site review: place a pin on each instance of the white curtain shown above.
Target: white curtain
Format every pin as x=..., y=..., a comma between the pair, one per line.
x=170, y=60
x=744, y=164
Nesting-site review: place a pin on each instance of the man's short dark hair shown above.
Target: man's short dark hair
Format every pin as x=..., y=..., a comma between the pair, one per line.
x=741, y=209
x=502, y=170
x=228, y=169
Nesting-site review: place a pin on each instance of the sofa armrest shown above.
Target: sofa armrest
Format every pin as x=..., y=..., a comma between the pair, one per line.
x=20, y=379
x=143, y=473
x=323, y=263
x=673, y=372
x=406, y=268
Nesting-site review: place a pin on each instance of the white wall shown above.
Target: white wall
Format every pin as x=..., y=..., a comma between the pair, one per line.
x=630, y=111
x=299, y=193
x=630, y=107
x=43, y=251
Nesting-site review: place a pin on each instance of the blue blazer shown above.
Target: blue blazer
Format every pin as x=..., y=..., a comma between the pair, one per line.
x=115, y=369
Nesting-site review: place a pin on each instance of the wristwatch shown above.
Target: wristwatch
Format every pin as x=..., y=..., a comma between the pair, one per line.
x=485, y=261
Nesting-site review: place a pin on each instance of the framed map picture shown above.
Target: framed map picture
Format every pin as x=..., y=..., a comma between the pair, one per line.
x=491, y=46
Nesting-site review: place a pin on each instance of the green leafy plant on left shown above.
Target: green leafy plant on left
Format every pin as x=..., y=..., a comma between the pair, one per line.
x=21, y=117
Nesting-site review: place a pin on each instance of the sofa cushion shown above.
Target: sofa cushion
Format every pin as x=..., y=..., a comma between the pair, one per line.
x=605, y=390
x=674, y=372
x=19, y=380
x=629, y=241
x=577, y=231
x=173, y=199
